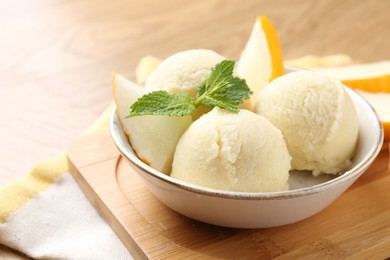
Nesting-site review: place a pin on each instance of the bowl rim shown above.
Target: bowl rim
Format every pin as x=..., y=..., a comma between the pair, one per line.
x=115, y=127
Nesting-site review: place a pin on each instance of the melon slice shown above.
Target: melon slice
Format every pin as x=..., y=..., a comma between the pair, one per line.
x=153, y=138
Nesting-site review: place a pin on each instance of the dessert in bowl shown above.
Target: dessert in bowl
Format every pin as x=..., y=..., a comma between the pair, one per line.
x=307, y=195
x=243, y=144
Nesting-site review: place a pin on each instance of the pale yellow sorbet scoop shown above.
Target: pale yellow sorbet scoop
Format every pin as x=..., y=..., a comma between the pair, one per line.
x=183, y=72
x=234, y=152
x=317, y=119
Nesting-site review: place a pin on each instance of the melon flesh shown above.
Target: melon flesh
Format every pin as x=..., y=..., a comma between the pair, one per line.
x=153, y=138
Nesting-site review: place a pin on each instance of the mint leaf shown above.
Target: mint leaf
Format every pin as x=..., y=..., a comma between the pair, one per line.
x=218, y=73
x=163, y=103
x=222, y=102
x=220, y=89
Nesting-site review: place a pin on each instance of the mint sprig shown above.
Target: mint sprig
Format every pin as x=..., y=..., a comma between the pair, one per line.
x=220, y=89
x=162, y=103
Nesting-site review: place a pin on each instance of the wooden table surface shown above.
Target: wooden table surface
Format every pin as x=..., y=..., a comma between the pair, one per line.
x=56, y=57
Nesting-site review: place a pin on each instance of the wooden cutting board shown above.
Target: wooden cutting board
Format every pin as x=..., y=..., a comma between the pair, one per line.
x=356, y=225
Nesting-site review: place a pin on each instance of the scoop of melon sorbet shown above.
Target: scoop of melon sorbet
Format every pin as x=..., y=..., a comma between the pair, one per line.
x=317, y=119
x=234, y=152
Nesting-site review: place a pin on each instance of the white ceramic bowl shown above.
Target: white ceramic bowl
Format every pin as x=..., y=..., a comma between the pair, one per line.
x=258, y=210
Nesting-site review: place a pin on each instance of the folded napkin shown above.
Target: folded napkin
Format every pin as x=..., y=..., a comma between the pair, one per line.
x=45, y=215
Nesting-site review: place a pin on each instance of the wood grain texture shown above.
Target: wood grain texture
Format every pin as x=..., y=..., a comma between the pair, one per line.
x=356, y=225
x=56, y=57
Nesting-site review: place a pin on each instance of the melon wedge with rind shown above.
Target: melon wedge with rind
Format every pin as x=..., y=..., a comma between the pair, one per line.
x=370, y=77
x=153, y=138
x=261, y=60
